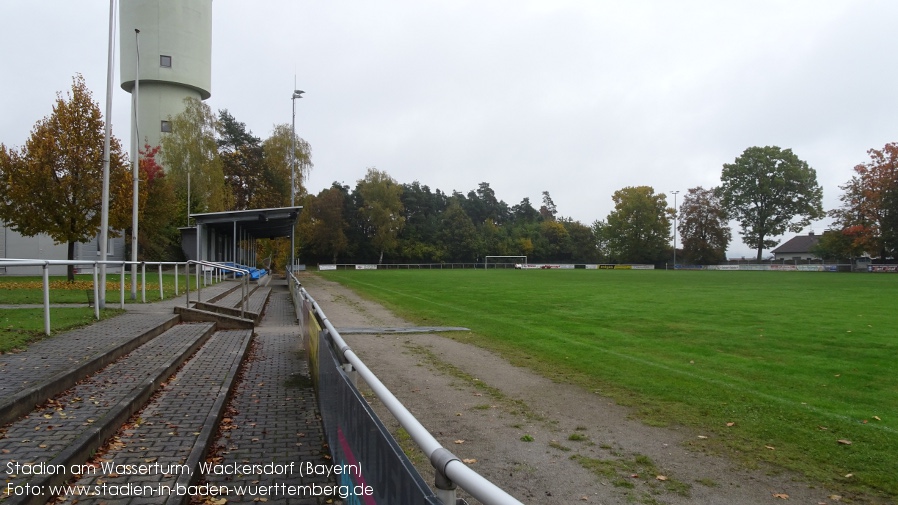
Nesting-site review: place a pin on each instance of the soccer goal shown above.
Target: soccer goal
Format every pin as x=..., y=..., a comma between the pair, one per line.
x=505, y=262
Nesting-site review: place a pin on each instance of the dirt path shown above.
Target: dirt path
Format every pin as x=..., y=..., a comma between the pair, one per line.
x=543, y=442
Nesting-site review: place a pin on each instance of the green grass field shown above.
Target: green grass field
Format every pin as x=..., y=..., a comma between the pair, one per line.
x=20, y=326
x=29, y=289
x=770, y=366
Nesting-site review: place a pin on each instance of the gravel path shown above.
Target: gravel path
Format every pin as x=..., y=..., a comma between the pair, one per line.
x=543, y=442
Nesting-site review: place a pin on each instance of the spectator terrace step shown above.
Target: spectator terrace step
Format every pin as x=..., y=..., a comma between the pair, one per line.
x=67, y=429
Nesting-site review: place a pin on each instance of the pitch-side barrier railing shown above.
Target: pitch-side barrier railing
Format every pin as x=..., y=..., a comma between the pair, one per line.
x=213, y=268
x=95, y=265
x=449, y=469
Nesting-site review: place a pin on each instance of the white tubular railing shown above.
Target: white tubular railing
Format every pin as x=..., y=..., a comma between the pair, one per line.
x=449, y=468
x=244, y=288
x=46, y=264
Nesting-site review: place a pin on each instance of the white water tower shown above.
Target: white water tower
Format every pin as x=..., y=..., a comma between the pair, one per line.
x=175, y=42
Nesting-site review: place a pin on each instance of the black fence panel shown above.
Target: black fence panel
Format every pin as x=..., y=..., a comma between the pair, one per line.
x=371, y=463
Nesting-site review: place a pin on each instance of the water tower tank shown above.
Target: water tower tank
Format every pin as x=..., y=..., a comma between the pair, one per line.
x=175, y=42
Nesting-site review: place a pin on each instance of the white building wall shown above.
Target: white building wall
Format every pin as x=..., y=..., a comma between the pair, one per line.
x=40, y=247
x=14, y=245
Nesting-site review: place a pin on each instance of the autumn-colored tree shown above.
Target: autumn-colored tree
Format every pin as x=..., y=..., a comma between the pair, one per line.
x=53, y=184
x=703, y=227
x=837, y=245
x=556, y=237
x=157, y=232
x=382, y=210
x=868, y=208
x=769, y=191
x=638, y=229
x=190, y=157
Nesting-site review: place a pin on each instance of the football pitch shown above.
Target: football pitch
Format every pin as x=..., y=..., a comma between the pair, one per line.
x=798, y=369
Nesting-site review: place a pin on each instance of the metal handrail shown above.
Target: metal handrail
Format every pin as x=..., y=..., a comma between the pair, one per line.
x=45, y=264
x=244, y=287
x=446, y=464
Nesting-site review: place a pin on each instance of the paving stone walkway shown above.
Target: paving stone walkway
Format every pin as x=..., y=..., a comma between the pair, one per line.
x=274, y=418
x=271, y=420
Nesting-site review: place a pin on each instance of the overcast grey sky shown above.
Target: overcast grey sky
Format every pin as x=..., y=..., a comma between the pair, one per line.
x=578, y=98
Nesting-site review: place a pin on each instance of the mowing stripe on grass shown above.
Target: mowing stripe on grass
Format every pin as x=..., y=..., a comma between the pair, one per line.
x=736, y=384
x=797, y=361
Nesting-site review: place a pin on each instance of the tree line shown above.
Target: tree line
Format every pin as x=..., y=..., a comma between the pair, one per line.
x=211, y=162
x=53, y=183
x=768, y=191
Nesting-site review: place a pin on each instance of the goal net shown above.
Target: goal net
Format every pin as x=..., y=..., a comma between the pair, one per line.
x=505, y=262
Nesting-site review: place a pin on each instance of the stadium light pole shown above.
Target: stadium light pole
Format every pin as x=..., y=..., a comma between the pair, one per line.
x=104, y=204
x=675, y=228
x=135, y=176
x=297, y=93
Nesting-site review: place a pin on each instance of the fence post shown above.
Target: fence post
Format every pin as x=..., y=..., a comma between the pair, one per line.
x=96, y=293
x=445, y=488
x=161, y=291
x=352, y=374
x=176, y=279
x=121, y=287
x=143, y=282
x=47, y=298
x=187, y=297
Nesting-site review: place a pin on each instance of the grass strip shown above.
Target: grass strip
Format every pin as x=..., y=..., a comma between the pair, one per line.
x=20, y=327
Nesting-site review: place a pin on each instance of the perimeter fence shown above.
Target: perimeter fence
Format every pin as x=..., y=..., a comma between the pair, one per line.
x=356, y=436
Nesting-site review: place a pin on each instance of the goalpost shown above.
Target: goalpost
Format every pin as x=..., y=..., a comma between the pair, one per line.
x=517, y=264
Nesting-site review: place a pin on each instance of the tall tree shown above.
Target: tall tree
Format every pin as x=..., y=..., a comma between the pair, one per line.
x=770, y=191
x=279, y=169
x=638, y=229
x=555, y=237
x=524, y=212
x=53, y=185
x=326, y=233
x=548, y=210
x=382, y=209
x=582, y=241
x=190, y=158
x=242, y=161
x=869, y=213
x=458, y=235
x=703, y=227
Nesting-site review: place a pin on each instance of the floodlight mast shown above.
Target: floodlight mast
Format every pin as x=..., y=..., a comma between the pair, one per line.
x=297, y=93
x=135, y=172
x=675, y=227
x=104, y=204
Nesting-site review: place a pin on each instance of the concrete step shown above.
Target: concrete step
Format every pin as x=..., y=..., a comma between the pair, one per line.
x=231, y=304
x=67, y=429
x=223, y=321
x=53, y=365
x=172, y=434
